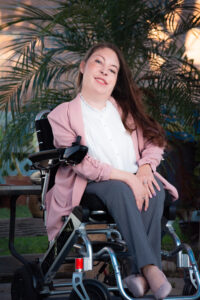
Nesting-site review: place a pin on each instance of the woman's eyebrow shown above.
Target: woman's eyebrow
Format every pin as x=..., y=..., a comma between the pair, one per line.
x=104, y=60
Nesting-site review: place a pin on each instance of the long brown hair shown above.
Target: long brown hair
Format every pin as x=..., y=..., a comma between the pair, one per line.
x=129, y=98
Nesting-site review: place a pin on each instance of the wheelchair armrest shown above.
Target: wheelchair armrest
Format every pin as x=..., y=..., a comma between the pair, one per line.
x=71, y=155
x=74, y=154
x=46, y=154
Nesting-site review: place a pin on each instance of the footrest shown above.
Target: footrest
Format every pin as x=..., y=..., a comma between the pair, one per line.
x=98, y=245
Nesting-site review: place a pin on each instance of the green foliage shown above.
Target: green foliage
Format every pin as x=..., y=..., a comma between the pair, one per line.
x=22, y=211
x=167, y=241
x=25, y=245
x=49, y=44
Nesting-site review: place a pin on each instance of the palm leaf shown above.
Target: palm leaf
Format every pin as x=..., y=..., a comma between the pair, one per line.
x=49, y=43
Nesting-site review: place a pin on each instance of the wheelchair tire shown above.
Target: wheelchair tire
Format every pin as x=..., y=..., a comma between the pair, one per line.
x=188, y=289
x=95, y=289
x=22, y=286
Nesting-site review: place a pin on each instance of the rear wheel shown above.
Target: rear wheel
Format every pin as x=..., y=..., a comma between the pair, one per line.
x=22, y=286
x=188, y=289
x=95, y=290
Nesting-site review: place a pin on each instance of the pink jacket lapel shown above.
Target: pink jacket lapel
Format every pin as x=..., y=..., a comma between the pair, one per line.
x=76, y=118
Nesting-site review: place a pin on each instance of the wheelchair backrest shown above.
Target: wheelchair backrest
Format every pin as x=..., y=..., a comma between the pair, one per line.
x=44, y=131
x=70, y=155
x=45, y=140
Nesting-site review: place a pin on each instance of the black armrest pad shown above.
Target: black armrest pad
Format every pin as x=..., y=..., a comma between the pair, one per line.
x=46, y=154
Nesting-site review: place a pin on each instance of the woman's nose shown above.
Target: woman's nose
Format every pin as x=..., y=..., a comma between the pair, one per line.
x=104, y=72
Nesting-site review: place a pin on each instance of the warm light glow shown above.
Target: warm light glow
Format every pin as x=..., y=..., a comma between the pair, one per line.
x=158, y=34
x=192, y=46
x=191, y=40
x=156, y=62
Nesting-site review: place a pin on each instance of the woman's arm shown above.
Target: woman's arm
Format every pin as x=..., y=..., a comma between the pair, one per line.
x=149, y=153
x=64, y=136
x=150, y=157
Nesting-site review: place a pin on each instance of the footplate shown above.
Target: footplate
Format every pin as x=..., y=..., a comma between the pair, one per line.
x=61, y=246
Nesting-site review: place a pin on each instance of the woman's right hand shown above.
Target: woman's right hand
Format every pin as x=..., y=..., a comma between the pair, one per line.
x=139, y=190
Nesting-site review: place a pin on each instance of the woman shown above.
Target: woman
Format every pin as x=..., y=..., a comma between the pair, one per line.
x=125, y=147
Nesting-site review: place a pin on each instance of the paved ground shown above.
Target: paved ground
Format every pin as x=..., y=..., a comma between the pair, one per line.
x=177, y=284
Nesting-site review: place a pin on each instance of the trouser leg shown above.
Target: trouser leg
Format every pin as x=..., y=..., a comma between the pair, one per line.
x=152, y=222
x=141, y=231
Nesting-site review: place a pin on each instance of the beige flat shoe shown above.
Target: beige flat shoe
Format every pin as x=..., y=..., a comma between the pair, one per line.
x=137, y=285
x=162, y=291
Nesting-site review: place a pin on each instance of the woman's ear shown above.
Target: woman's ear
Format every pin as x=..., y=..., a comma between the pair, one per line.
x=82, y=66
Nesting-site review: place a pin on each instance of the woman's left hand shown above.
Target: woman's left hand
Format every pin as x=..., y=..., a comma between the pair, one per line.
x=145, y=175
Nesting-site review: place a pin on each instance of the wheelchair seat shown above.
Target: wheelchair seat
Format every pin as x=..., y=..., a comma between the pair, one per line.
x=95, y=209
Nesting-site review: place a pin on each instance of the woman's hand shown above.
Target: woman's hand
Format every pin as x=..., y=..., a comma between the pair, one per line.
x=138, y=189
x=146, y=177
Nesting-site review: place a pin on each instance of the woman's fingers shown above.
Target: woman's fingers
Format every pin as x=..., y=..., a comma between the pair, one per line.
x=139, y=205
x=146, y=183
x=149, y=191
x=142, y=194
x=156, y=184
x=150, y=185
x=151, y=188
x=142, y=202
x=146, y=204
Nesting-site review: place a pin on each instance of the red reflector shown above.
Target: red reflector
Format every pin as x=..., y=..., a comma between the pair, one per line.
x=79, y=264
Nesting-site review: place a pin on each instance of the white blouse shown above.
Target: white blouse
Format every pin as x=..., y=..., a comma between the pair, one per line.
x=106, y=137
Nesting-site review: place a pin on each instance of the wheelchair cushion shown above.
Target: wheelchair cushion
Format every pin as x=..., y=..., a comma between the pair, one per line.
x=93, y=204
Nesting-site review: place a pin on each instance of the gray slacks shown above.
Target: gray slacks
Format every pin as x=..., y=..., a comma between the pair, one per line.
x=140, y=230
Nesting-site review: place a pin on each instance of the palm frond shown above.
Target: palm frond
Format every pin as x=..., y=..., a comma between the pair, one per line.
x=49, y=43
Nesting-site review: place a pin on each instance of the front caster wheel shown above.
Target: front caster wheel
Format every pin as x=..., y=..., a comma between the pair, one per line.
x=95, y=290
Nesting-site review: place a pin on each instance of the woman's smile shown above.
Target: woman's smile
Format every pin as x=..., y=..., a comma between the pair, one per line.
x=101, y=80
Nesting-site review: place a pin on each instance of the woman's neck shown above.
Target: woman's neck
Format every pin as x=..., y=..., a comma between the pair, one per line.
x=95, y=102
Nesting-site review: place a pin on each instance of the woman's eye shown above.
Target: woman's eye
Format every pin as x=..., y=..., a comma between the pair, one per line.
x=98, y=61
x=112, y=71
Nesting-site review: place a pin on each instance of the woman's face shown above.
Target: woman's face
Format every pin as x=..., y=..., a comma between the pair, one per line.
x=100, y=73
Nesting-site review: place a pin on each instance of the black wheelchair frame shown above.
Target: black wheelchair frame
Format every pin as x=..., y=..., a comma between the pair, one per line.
x=35, y=280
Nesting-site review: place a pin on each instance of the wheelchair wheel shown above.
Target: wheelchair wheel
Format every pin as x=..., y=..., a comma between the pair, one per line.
x=22, y=287
x=95, y=289
x=188, y=289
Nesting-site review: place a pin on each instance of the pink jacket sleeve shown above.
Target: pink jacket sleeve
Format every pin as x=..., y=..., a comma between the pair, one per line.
x=149, y=153
x=64, y=135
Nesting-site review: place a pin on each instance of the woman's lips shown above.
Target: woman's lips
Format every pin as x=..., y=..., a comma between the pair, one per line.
x=101, y=80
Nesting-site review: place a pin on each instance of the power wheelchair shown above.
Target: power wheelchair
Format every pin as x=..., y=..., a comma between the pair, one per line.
x=36, y=280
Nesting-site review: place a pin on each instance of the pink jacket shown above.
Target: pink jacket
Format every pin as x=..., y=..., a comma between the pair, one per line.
x=70, y=182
